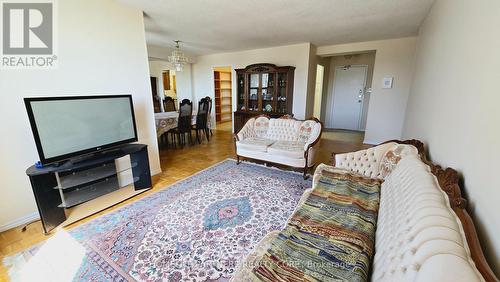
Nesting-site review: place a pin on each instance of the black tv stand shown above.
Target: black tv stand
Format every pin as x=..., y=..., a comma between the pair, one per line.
x=77, y=181
x=98, y=154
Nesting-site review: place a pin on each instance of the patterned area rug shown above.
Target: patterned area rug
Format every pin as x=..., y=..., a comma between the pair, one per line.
x=195, y=230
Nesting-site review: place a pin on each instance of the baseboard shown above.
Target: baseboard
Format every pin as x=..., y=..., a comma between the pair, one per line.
x=20, y=221
x=369, y=142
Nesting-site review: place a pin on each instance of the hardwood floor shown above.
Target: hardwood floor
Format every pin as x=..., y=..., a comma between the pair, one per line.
x=177, y=164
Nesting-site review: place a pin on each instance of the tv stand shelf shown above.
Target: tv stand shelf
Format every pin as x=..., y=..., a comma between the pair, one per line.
x=87, y=193
x=59, y=187
x=79, y=178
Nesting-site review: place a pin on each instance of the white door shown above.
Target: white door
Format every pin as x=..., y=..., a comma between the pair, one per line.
x=345, y=109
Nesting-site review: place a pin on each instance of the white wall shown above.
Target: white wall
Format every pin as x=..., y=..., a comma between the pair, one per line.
x=311, y=81
x=291, y=55
x=183, y=78
x=453, y=105
x=100, y=54
x=386, y=111
x=184, y=81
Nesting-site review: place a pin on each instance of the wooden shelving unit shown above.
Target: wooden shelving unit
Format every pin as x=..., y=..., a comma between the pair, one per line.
x=223, y=98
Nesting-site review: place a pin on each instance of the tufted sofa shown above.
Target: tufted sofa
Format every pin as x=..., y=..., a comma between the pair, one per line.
x=423, y=230
x=284, y=141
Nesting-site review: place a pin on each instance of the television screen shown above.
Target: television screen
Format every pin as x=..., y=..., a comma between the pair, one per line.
x=66, y=127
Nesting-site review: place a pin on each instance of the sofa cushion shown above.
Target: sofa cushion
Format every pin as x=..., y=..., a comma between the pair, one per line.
x=254, y=144
x=290, y=149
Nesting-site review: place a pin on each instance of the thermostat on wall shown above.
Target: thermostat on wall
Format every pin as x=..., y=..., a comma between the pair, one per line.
x=387, y=83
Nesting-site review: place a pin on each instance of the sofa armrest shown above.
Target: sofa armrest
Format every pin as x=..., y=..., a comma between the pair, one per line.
x=315, y=135
x=246, y=131
x=312, y=144
x=366, y=162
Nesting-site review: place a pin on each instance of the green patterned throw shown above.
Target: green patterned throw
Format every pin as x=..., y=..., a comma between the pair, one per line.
x=330, y=237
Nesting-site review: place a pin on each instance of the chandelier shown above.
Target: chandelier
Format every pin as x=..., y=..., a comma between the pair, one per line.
x=177, y=59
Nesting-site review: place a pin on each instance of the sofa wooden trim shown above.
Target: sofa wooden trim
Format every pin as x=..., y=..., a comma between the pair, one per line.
x=449, y=182
x=306, y=152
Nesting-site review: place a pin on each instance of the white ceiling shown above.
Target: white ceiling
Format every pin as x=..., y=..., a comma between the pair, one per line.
x=213, y=26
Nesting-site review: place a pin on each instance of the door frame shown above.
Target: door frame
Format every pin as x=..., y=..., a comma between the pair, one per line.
x=361, y=105
x=318, y=97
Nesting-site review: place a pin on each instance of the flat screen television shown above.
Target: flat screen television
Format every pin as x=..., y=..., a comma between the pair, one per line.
x=72, y=126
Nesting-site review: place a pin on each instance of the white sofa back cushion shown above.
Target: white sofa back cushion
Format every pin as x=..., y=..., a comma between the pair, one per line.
x=419, y=237
x=365, y=162
x=283, y=129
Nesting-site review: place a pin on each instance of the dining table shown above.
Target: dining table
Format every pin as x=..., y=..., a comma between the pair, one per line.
x=166, y=121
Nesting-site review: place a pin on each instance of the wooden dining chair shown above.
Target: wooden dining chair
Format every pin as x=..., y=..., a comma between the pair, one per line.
x=209, y=115
x=184, y=122
x=169, y=104
x=201, y=120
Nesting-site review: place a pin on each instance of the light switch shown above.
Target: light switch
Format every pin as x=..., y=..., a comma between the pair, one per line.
x=387, y=82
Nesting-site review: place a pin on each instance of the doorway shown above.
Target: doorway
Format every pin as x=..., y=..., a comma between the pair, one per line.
x=347, y=96
x=154, y=91
x=347, y=103
x=169, y=89
x=318, y=92
x=223, y=94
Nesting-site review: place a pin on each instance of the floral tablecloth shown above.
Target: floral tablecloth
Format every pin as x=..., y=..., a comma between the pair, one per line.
x=168, y=120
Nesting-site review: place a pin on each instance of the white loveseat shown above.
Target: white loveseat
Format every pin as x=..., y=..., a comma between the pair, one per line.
x=423, y=230
x=284, y=141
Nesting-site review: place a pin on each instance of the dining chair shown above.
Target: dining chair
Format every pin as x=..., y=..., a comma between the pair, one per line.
x=184, y=122
x=169, y=104
x=209, y=114
x=201, y=120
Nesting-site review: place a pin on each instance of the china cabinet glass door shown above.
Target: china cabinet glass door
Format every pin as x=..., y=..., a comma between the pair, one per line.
x=282, y=93
x=241, y=92
x=268, y=92
x=253, y=92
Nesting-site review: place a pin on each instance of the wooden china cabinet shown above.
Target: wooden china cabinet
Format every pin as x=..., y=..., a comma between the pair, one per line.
x=263, y=89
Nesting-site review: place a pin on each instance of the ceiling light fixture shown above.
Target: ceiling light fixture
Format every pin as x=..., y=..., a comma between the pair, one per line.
x=177, y=59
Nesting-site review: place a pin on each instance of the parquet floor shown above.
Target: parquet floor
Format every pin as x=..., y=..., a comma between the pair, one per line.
x=177, y=164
